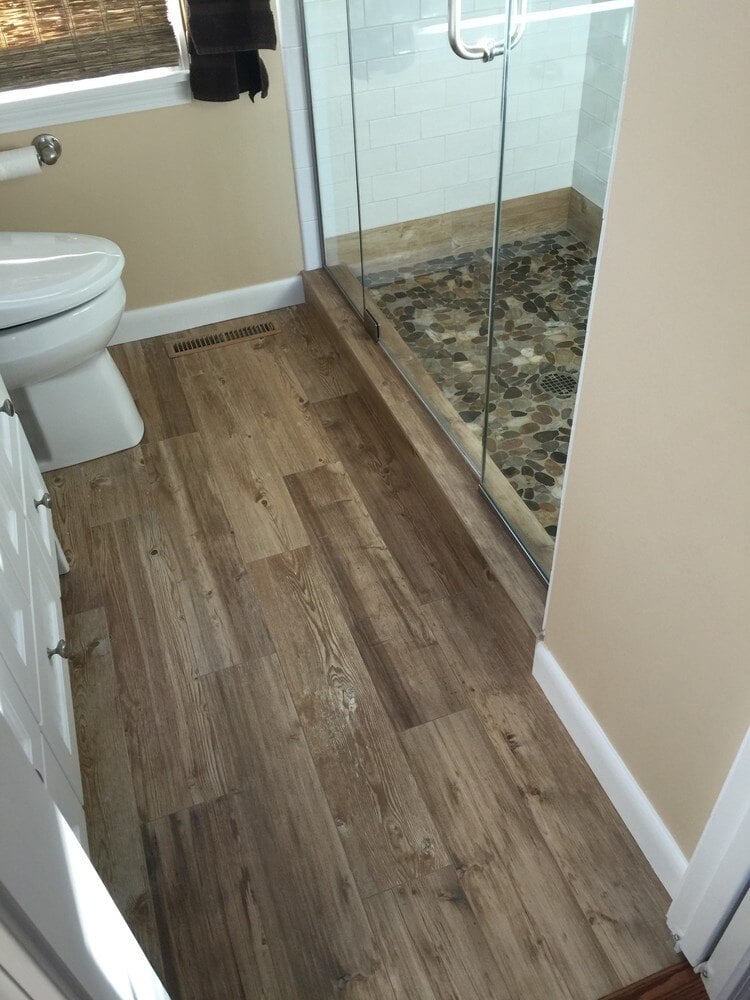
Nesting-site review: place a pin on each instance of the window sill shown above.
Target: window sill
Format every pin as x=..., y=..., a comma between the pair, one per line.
x=58, y=103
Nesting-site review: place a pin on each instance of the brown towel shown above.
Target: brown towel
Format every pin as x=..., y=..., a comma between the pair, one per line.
x=224, y=37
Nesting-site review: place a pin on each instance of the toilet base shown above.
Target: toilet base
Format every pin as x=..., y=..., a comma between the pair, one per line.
x=82, y=414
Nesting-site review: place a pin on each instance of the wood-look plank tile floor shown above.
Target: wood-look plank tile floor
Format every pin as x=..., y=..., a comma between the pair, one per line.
x=315, y=762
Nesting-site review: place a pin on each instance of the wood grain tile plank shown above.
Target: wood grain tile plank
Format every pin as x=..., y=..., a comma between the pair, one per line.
x=413, y=517
x=488, y=645
x=387, y=832
x=153, y=381
x=319, y=367
x=436, y=947
x=541, y=939
x=440, y=458
x=81, y=587
x=414, y=678
x=84, y=496
x=258, y=897
x=267, y=399
x=174, y=742
x=406, y=970
x=224, y=619
x=377, y=595
x=241, y=465
x=112, y=821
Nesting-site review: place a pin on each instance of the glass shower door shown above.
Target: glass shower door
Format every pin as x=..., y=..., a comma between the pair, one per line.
x=564, y=83
x=461, y=205
x=428, y=140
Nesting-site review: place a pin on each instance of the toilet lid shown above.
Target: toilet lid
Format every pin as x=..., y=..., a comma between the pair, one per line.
x=43, y=274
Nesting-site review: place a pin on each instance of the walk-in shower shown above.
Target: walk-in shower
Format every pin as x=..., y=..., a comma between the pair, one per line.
x=462, y=155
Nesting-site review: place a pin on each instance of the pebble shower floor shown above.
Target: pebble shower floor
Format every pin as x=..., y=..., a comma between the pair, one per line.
x=544, y=284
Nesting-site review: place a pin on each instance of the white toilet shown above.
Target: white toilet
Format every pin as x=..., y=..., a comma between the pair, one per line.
x=61, y=299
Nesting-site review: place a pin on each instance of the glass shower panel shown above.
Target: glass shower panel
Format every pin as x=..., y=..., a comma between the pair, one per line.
x=564, y=83
x=428, y=147
x=326, y=24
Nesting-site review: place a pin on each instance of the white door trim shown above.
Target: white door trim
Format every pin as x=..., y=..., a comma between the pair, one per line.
x=719, y=869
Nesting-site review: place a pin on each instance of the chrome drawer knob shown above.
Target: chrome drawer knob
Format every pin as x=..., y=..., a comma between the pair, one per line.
x=45, y=500
x=8, y=407
x=61, y=649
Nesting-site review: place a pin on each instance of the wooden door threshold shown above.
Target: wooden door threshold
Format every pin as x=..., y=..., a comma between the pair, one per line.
x=390, y=391
x=678, y=982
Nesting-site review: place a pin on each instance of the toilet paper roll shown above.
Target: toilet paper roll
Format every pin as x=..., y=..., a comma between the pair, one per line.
x=19, y=163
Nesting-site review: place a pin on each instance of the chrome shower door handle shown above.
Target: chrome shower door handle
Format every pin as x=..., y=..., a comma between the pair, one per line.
x=489, y=50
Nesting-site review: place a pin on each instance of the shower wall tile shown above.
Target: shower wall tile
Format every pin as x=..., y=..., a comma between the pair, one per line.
x=600, y=101
x=420, y=97
x=420, y=153
x=403, y=182
x=387, y=131
x=444, y=176
x=391, y=11
x=428, y=123
x=420, y=206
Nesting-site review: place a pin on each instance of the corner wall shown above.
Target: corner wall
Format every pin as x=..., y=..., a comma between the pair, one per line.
x=200, y=197
x=648, y=606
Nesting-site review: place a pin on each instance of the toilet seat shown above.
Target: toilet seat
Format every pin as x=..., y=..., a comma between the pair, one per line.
x=61, y=299
x=45, y=274
x=32, y=352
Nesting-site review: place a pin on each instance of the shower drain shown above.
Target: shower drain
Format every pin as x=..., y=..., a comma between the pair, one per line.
x=561, y=384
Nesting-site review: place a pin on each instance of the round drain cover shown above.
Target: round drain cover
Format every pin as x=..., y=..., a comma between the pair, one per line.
x=559, y=383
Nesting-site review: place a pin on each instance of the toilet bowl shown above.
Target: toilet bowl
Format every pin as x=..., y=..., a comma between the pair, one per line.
x=61, y=299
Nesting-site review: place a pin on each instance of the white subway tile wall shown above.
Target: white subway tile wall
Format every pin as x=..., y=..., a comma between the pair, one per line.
x=600, y=102
x=428, y=123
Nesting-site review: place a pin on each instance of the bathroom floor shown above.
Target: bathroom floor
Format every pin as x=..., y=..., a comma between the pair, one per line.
x=439, y=307
x=315, y=762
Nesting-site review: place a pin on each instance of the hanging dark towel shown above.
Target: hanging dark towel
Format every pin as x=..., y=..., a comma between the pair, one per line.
x=224, y=37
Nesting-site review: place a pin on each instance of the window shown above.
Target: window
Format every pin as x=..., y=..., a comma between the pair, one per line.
x=63, y=60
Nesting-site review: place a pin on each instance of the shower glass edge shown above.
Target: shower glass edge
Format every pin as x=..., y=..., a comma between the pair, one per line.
x=428, y=226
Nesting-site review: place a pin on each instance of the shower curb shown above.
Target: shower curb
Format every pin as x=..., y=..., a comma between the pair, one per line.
x=443, y=462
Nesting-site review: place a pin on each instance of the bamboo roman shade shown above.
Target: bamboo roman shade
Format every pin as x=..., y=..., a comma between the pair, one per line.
x=51, y=41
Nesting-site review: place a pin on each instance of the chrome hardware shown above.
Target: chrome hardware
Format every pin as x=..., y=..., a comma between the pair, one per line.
x=45, y=500
x=8, y=407
x=61, y=650
x=48, y=148
x=486, y=51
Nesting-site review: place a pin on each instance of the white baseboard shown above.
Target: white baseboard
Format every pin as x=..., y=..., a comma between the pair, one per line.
x=172, y=317
x=631, y=802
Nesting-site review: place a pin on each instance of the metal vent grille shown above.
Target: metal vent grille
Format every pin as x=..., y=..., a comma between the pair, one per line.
x=561, y=384
x=176, y=348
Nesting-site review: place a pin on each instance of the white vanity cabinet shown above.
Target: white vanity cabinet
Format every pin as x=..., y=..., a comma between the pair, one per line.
x=35, y=696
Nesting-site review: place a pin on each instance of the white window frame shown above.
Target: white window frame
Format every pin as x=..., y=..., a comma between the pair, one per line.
x=98, y=97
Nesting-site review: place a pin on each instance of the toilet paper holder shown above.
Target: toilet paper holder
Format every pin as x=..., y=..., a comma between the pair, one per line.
x=48, y=148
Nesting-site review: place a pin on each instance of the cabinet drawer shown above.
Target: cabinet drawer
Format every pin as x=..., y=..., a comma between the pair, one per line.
x=10, y=446
x=58, y=727
x=63, y=795
x=17, y=629
x=12, y=537
x=19, y=717
x=36, y=500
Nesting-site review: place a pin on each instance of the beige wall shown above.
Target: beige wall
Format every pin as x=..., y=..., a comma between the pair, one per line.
x=200, y=197
x=650, y=598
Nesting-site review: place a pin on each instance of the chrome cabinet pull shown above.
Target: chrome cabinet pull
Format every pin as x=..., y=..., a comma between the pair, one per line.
x=8, y=407
x=45, y=500
x=486, y=51
x=61, y=650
